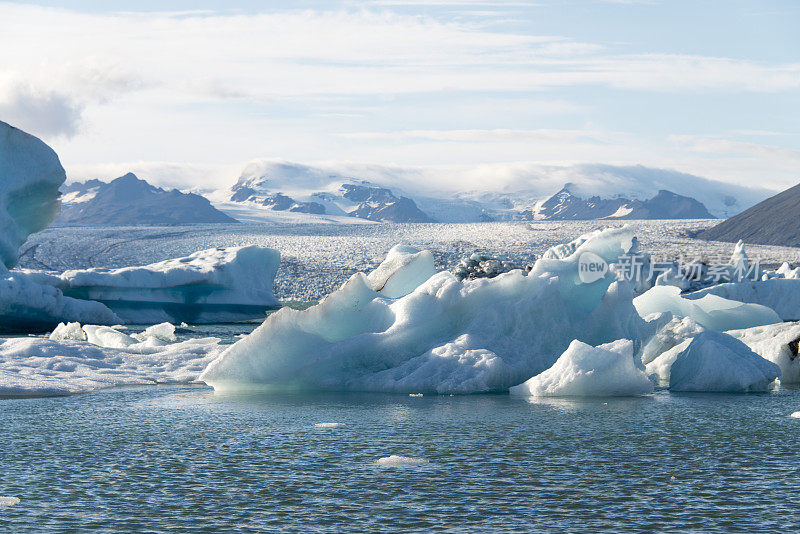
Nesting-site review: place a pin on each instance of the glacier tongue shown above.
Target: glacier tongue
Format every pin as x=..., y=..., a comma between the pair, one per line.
x=446, y=336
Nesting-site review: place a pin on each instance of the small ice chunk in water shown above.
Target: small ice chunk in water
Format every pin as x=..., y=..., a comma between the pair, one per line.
x=796, y=415
x=395, y=460
x=104, y=336
x=6, y=502
x=68, y=331
x=328, y=425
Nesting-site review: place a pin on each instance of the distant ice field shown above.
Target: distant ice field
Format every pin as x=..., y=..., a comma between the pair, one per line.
x=317, y=258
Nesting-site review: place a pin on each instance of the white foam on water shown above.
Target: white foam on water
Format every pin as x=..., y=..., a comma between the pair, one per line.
x=6, y=502
x=395, y=460
x=328, y=425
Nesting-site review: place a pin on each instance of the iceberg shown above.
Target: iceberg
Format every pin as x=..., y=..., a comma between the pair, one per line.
x=586, y=371
x=780, y=294
x=717, y=362
x=28, y=306
x=711, y=311
x=210, y=286
x=673, y=333
x=446, y=336
x=777, y=343
x=404, y=269
x=30, y=175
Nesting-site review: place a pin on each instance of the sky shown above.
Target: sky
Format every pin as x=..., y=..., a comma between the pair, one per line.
x=190, y=91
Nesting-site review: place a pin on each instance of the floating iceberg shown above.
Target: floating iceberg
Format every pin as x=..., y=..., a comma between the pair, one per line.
x=30, y=175
x=717, y=362
x=586, y=371
x=211, y=286
x=711, y=311
x=673, y=333
x=777, y=343
x=779, y=294
x=41, y=367
x=28, y=306
x=446, y=336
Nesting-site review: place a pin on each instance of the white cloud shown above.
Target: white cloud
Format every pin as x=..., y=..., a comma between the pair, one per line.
x=491, y=136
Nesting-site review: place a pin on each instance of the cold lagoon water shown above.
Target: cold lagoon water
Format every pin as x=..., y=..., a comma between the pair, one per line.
x=184, y=459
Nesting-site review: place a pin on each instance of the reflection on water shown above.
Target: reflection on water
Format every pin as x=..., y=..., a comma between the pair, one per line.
x=184, y=459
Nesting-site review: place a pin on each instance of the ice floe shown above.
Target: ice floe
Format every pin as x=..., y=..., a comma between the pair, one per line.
x=6, y=502
x=718, y=362
x=65, y=365
x=400, y=461
x=446, y=336
x=586, y=371
x=780, y=294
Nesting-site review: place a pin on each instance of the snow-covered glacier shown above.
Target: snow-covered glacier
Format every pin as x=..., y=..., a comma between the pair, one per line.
x=209, y=286
x=445, y=336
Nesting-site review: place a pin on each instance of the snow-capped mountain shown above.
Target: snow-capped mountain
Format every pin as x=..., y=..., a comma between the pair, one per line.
x=353, y=198
x=565, y=205
x=129, y=200
x=295, y=192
